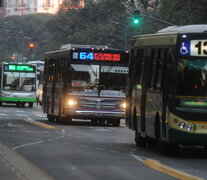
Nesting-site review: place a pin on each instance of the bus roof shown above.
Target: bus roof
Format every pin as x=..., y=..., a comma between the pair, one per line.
x=70, y=46
x=195, y=28
x=67, y=47
x=167, y=36
x=155, y=39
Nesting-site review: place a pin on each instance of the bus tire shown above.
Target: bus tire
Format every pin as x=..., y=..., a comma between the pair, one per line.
x=50, y=118
x=63, y=120
x=22, y=104
x=31, y=105
x=162, y=147
x=94, y=121
x=140, y=141
x=116, y=122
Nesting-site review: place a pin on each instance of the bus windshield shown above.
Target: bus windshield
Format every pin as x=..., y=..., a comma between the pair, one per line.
x=191, y=88
x=19, y=81
x=97, y=77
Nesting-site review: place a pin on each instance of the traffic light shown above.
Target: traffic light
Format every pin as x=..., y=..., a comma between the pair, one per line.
x=136, y=21
x=136, y=18
x=12, y=58
x=31, y=45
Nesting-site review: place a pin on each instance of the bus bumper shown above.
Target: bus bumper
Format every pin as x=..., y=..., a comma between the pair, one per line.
x=185, y=138
x=88, y=114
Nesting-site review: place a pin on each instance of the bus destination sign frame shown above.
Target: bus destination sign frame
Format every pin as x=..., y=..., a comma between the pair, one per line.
x=196, y=48
x=18, y=68
x=96, y=56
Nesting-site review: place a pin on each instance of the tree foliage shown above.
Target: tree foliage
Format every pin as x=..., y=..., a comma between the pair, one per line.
x=184, y=12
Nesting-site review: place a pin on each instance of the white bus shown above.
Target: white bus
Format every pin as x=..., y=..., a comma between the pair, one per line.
x=18, y=83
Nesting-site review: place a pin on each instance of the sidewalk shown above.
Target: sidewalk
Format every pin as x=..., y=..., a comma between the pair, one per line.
x=15, y=167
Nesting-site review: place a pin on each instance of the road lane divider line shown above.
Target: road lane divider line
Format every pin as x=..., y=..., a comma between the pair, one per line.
x=30, y=120
x=28, y=144
x=156, y=165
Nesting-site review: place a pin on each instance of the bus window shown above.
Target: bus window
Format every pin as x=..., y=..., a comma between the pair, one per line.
x=191, y=77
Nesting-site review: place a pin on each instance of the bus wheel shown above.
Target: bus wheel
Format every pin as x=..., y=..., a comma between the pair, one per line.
x=162, y=147
x=94, y=121
x=116, y=122
x=22, y=104
x=140, y=141
x=31, y=105
x=63, y=120
x=102, y=122
x=50, y=118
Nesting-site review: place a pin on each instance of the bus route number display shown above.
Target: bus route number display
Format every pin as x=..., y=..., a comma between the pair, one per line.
x=15, y=67
x=193, y=48
x=96, y=56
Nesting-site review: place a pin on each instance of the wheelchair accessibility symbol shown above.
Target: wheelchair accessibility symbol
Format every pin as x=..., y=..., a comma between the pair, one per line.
x=185, y=48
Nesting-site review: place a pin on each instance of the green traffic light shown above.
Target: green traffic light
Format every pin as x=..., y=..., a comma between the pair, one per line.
x=136, y=21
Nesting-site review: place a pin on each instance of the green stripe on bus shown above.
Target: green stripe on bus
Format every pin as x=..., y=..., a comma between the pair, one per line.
x=17, y=99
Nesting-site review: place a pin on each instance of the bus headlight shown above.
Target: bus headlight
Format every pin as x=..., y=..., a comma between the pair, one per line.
x=189, y=127
x=72, y=102
x=182, y=125
x=123, y=105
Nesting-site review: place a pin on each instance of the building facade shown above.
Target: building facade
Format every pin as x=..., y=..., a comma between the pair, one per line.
x=25, y=7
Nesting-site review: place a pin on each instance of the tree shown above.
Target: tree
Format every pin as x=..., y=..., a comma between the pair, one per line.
x=91, y=25
x=184, y=12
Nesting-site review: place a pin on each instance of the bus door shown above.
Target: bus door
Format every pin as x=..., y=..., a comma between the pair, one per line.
x=145, y=81
x=169, y=71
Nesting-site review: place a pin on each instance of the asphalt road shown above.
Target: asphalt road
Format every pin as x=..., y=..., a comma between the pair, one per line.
x=84, y=151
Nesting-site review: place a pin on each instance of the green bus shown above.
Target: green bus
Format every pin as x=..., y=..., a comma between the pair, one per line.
x=167, y=87
x=18, y=84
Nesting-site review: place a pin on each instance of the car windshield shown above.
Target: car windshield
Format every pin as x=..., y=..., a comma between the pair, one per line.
x=191, y=88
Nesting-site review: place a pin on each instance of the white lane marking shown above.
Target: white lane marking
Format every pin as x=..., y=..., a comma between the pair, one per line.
x=25, y=115
x=20, y=111
x=28, y=144
x=139, y=158
x=101, y=130
x=14, y=125
x=116, y=152
x=3, y=114
x=4, y=118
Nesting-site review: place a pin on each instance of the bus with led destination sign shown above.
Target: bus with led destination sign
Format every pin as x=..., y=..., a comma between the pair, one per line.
x=85, y=82
x=167, y=87
x=18, y=84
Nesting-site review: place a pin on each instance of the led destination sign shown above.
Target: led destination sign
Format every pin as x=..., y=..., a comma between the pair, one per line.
x=16, y=67
x=96, y=56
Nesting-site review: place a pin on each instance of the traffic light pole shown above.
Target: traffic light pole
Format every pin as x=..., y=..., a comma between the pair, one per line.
x=156, y=19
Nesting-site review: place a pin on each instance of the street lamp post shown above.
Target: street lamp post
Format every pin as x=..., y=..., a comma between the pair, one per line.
x=126, y=33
